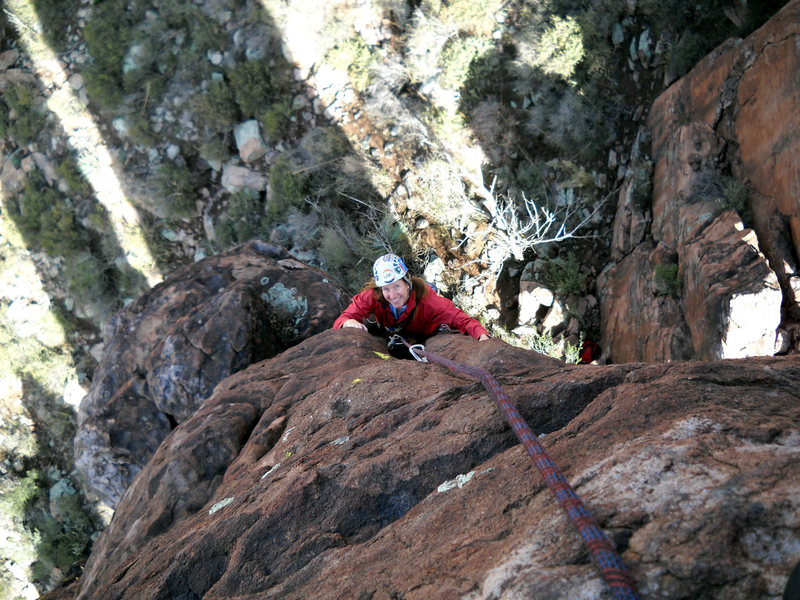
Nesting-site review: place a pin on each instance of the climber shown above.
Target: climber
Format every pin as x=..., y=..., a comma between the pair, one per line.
x=394, y=302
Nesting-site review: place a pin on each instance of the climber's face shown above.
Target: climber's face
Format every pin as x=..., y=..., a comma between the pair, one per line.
x=396, y=293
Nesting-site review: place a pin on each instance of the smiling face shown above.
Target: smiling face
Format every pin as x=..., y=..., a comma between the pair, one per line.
x=396, y=293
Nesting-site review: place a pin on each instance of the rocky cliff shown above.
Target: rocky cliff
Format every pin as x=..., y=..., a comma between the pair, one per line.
x=334, y=471
x=243, y=465
x=694, y=278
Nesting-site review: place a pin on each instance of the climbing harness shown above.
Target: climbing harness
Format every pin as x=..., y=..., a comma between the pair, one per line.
x=603, y=552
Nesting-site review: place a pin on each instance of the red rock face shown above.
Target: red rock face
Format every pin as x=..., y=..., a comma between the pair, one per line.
x=736, y=111
x=332, y=472
x=166, y=351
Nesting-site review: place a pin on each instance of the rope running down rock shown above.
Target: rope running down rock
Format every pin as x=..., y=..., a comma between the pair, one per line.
x=603, y=552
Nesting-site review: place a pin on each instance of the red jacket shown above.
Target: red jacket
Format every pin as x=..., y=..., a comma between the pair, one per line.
x=427, y=315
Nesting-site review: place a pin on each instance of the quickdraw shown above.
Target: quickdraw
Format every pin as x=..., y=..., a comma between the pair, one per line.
x=603, y=552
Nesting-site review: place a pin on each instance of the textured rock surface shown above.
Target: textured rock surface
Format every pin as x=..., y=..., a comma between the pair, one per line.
x=720, y=117
x=331, y=472
x=166, y=351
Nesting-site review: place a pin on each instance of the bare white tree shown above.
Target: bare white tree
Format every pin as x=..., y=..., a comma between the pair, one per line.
x=517, y=225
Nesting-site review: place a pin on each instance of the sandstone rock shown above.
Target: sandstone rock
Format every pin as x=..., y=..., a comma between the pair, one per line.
x=641, y=325
x=330, y=472
x=633, y=214
x=743, y=302
x=235, y=178
x=534, y=301
x=166, y=351
x=249, y=142
x=556, y=318
x=738, y=105
x=8, y=58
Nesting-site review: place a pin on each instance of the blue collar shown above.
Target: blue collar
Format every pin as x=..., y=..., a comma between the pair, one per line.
x=397, y=312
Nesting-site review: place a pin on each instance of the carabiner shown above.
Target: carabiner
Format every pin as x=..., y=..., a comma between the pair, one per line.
x=419, y=347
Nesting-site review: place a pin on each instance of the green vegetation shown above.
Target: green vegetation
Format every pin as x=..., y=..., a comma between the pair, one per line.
x=44, y=521
x=734, y=196
x=245, y=219
x=458, y=60
x=356, y=58
x=64, y=537
x=642, y=176
x=686, y=53
x=18, y=495
x=286, y=191
x=258, y=84
x=275, y=120
x=563, y=274
x=217, y=109
x=46, y=216
x=52, y=15
x=107, y=37
x=216, y=147
x=177, y=187
x=29, y=122
x=560, y=48
x=666, y=280
x=543, y=343
x=68, y=169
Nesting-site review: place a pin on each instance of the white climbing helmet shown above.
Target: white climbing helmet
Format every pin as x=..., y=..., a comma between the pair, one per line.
x=388, y=269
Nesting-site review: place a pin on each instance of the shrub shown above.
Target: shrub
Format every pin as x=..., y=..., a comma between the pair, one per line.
x=45, y=217
x=334, y=251
x=665, y=280
x=19, y=494
x=563, y=274
x=86, y=278
x=473, y=17
x=56, y=18
x=642, y=181
x=530, y=177
x=177, y=186
x=107, y=37
x=27, y=125
x=245, y=219
x=4, y=122
x=68, y=169
x=560, y=48
x=286, y=191
x=63, y=541
x=457, y=58
x=734, y=196
x=356, y=58
x=257, y=84
x=216, y=147
x=275, y=120
x=543, y=343
x=684, y=55
x=426, y=38
x=217, y=109
x=59, y=232
x=568, y=121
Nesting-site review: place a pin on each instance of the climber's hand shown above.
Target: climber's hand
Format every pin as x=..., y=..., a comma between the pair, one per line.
x=353, y=323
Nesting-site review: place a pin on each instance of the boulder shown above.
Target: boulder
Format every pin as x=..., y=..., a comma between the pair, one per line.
x=249, y=142
x=236, y=178
x=730, y=290
x=535, y=300
x=165, y=352
x=330, y=471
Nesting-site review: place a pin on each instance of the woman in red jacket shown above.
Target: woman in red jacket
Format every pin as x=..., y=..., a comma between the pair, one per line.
x=399, y=303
